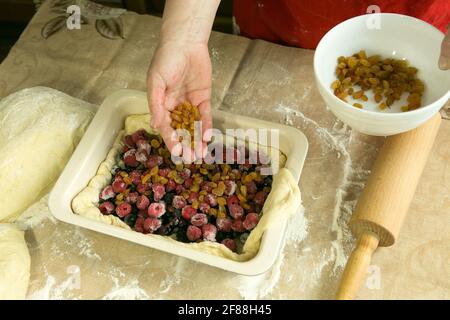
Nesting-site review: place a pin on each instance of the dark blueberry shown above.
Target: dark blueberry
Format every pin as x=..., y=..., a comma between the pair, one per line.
x=130, y=219
x=181, y=235
x=168, y=198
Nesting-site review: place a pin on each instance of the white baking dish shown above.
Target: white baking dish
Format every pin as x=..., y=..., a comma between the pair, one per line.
x=98, y=140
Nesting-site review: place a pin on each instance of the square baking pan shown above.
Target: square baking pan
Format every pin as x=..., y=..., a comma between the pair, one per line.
x=98, y=140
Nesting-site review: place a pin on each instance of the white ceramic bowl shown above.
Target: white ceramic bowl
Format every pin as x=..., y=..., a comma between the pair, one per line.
x=400, y=37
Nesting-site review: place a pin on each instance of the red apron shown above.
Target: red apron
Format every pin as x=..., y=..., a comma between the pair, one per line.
x=302, y=23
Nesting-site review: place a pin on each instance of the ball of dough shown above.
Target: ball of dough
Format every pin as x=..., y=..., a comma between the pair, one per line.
x=14, y=263
x=39, y=129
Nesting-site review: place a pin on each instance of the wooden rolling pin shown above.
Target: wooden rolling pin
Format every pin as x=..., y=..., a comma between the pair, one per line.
x=383, y=204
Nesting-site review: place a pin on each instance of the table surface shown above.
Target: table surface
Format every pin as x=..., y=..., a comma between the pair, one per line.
x=253, y=78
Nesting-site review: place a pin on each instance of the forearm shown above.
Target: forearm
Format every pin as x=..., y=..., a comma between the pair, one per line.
x=188, y=20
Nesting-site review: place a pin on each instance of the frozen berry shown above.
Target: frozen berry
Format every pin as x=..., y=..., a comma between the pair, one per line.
x=211, y=199
x=163, y=172
x=199, y=219
x=171, y=185
x=224, y=224
x=245, y=166
x=232, y=200
x=156, y=209
x=185, y=173
x=179, y=188
x=229, y=243
x=204, y=207
x=207, y=186
x=236, y=211
x=260, y=197
x=139, y=225
x=188, y=212
x=158, y=191
x=132, y=197
x=209, y=232
x=141, y=134
x=251, y=187
x=178, y=202
x=135, y=177
x=141, y=156
x=188, y=183
x=119, y=185
x=230, y=187
x=129, y=141
x=154, y=160
x=129, y=158
x=143, y=144
x=192, y=197
x=107, y=193
x=237, y=226
x=151, y=224
x=193, y=233
x=123, y=209
x=143, y=213
x=142, y=202
x=142, y=188
x=250, y=221
x=106, y=207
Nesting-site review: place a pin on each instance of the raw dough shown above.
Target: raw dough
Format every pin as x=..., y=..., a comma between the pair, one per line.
x=283, y=200
x=14, y=263
x=39, y=129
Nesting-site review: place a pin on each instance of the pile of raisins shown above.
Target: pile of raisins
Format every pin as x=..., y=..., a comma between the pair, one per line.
x=189, y=202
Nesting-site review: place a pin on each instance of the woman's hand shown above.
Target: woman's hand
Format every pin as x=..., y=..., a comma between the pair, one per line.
x=181, y=69
x=179, y=72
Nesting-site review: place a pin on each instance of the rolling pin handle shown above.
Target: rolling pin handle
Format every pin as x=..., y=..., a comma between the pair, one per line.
x=357, y=265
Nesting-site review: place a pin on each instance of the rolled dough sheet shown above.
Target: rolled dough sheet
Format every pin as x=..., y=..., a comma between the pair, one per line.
x=282, y=201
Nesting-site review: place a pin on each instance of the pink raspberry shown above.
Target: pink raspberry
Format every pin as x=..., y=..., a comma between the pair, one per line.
x=171, y=185
x=260, y=198
x=237, y=226
x=129, y=142
x=156, y=209
x=251, y=187
x=154, y=160
x=129, y=158
x=185, y=173
x=151, y=224
x=232, y=200
x=211, y=199
x=250, y=221
x=179, y=189
x=123, y=209
x=125, y=148
x=204, y=207
x=188, y=183
x=229, y=243
x=142, y=188
x=188, y=212
x=141, y=134
x=178, y=202
x=193, y=233
x=106, y=207
x=230, y=187
x=236, y=211
x=143, y=213
x=135, y=177
x=119, y=185
x=143, y=144
x=209, y=232
x=139, y=224
x=224, y=224
x=107, y=193
x=142, y=202
x=199, y=219
x=207, y=186
x=192, y=196
x=141, y=156
x=132, y=197
x=158, y=191
x=164, y=172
